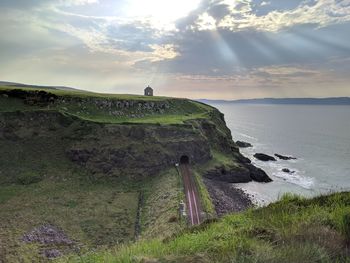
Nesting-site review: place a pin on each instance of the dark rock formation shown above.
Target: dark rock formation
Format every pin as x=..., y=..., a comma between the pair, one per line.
x=283, y=157
x=242, y=144
x=36, y=97
x=138, y=150
x=286, y=170
x=243, y=174
x=264, y=157
x=47, y=234
x=258, y=174
x=229, y=174
x=52, y=253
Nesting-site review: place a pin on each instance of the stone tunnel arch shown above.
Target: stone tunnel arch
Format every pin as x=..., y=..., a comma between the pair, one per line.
x=184, y=159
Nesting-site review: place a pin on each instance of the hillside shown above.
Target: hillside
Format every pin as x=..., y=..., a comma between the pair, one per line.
x=292, y=230
x=28, y=86
x=80, y=171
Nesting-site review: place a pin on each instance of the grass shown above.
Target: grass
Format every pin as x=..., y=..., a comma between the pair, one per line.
x=95, y=213
x=205, y=198
x=218, y=159
x=160, y=213
x=82, y=106
x=292, y=230
x=39, y=185
x=87, y=94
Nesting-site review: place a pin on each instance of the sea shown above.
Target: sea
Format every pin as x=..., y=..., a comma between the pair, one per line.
x=317, y=135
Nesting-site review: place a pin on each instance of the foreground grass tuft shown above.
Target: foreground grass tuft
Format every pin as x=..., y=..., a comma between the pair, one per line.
x=294, y=229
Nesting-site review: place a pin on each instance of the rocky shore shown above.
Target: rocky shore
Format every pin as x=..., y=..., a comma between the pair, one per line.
x=226, y=197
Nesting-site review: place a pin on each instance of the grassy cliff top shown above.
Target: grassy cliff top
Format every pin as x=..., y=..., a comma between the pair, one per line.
x=104, y=108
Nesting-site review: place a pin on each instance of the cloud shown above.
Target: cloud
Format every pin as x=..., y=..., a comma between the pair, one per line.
x=224, y=48
x=243, y=15
x=206, y=22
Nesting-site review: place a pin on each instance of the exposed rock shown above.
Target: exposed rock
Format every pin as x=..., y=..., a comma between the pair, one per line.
x=283, y=157
x=52, y=253
x=242, y=144
x=234, y=174
x=264, y=157
x=286, y=170
x=258, y=174
x=138, y=150
x=47, y=234
x=226, y=198
x=41, y=98
x=229, y=174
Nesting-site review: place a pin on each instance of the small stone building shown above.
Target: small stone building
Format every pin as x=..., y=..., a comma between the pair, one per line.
x=148, y=91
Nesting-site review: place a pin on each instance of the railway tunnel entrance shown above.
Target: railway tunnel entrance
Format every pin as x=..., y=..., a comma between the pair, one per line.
x=184, y=159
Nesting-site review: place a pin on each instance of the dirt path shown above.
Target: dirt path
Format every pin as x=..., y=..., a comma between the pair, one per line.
x=192, y=197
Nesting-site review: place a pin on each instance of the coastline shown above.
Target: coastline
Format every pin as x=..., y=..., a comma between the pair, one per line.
x=227, y=198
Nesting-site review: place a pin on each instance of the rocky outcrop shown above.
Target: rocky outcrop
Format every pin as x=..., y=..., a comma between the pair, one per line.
x=35, y=97
x=139, y=150
x=286, y=170
x=283, y=157
x=229, y=174
x=242, y=174
x=264, y=157
x=242, y=144
x=258, y=174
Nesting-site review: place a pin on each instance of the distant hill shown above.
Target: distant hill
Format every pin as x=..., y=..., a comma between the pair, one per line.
x=300, y=101
x=21, y=85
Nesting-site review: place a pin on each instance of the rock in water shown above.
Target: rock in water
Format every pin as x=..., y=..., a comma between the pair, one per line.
x=286, y=170
x=283, y=157
x=242, y=144
x=264, y=157
x=258, y=174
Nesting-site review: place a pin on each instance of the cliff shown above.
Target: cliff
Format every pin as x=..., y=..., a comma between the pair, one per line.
x=127, y=135
x=83, y=170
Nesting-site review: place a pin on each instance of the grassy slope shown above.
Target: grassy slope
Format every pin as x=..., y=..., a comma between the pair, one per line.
x=291, y=230
x=38, y=185
x=94, y=213
x=180, y=110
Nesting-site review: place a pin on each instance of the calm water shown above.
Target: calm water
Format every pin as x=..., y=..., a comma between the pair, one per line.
x=319, y=136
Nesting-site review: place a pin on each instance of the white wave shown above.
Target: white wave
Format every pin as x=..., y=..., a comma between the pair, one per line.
x=248, y=136
x=295, y=178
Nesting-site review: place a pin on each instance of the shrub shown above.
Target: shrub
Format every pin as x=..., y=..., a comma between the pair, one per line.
x=29, y=178
x=346, y=225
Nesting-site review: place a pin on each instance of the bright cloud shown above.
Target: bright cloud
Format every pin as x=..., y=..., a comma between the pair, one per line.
x=322, y=13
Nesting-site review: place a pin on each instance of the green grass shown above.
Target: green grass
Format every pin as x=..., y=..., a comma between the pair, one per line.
x=180, y=110
x=39, y=184
x=205, y=198
x=292, y=230
x=82, y=94
x=160, y=213
x=95, y=213
x=218, y=159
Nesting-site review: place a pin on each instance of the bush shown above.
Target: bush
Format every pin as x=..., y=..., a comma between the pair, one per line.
x=29, y=178
x=346, y=225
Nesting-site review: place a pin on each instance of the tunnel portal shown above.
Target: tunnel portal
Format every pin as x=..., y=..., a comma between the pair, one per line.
x=184, y=159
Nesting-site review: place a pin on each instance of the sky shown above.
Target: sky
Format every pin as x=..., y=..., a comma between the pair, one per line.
x=215, y=49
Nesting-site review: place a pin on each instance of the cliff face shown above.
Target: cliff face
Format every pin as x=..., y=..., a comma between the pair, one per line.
x=133, y=150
